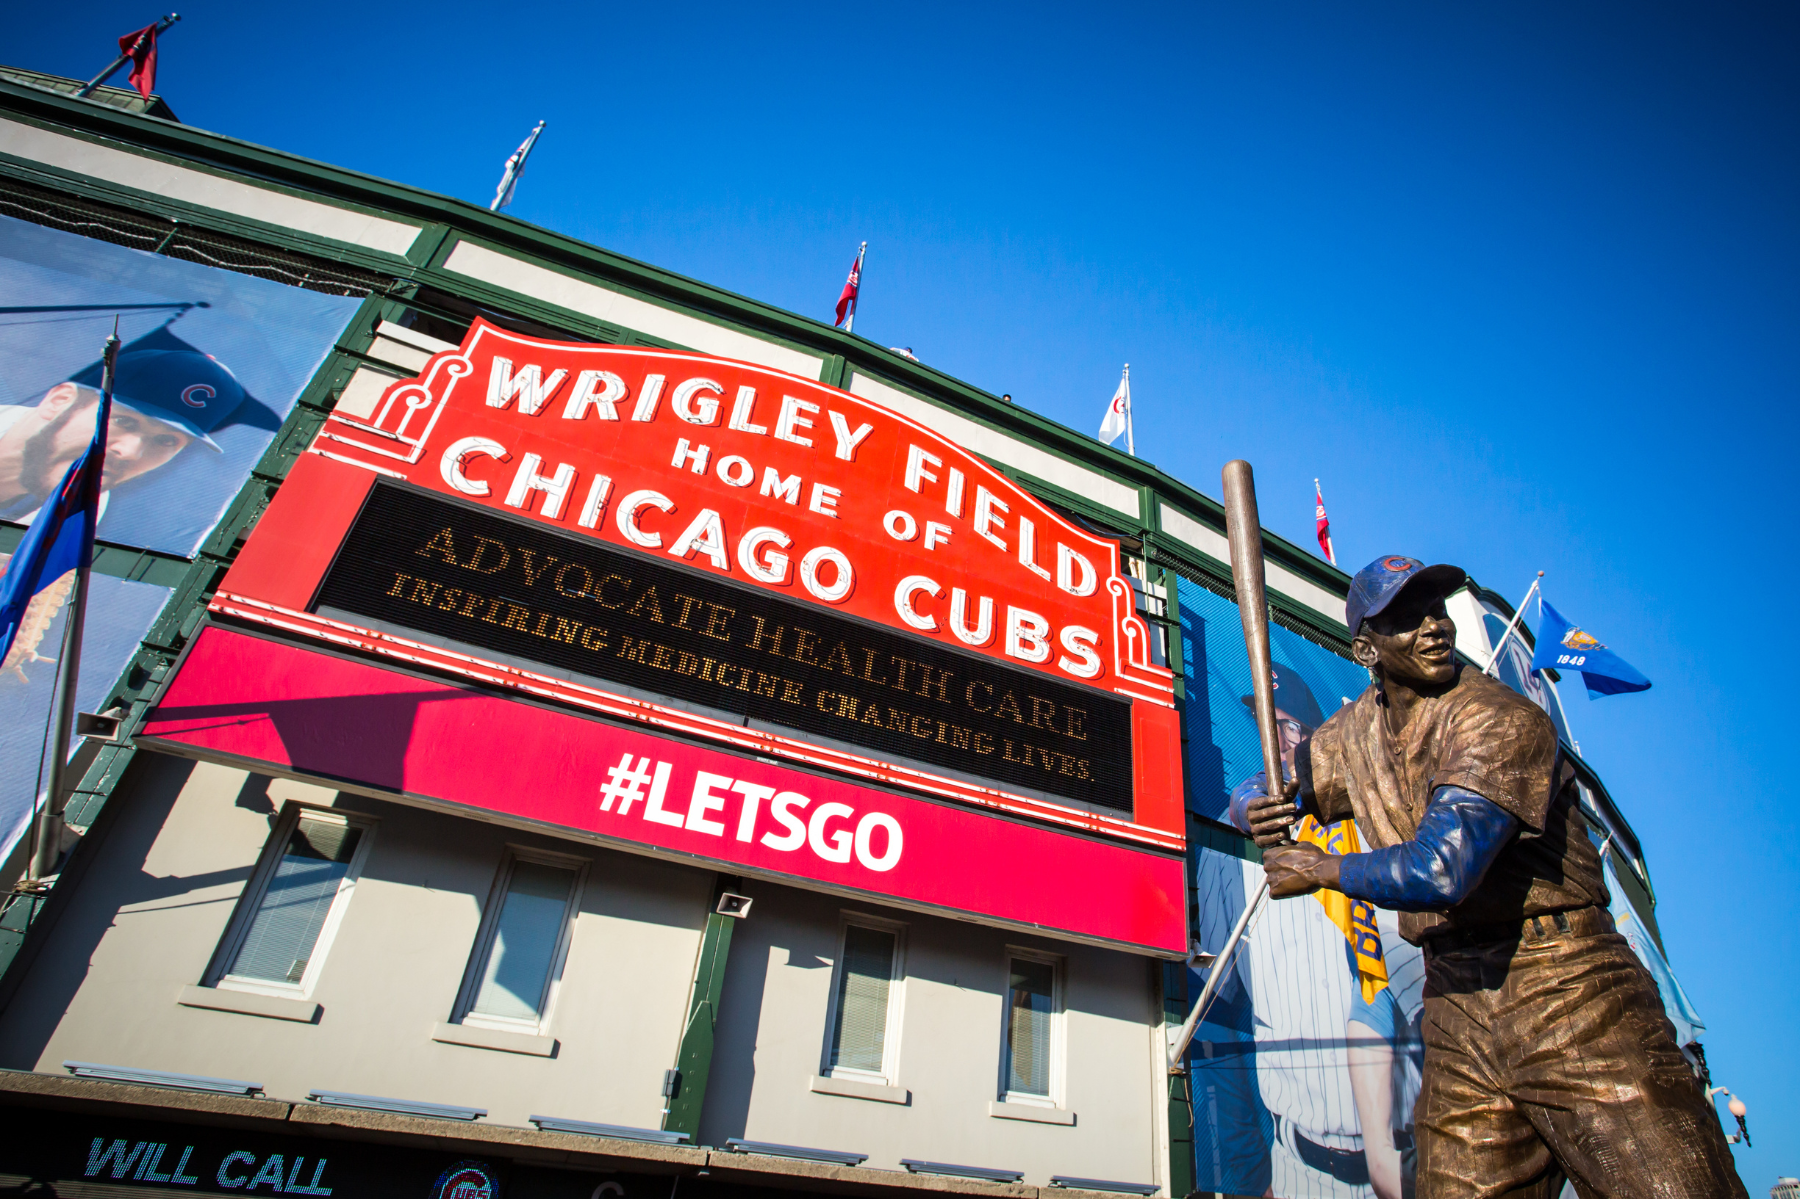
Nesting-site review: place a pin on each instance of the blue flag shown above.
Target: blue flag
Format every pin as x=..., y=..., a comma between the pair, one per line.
x=61, y=537
x=1566, y=647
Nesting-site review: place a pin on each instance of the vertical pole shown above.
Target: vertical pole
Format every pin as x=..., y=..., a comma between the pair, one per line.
x=856, y=299
x=693, y=1061
x=1130, y=438
x=1518, y=615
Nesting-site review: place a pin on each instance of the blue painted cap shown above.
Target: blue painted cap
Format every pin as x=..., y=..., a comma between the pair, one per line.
x=1380, y=583
x=166, y=377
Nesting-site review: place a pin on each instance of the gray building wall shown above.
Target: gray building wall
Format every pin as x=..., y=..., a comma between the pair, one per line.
x=180, y=840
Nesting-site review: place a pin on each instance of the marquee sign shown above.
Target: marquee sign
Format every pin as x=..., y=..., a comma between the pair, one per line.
x=733, y=554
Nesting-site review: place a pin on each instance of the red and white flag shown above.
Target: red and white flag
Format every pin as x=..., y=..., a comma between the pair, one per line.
x=1118, y=414
x=846, y=309
x=1324, y=524
x=140, y=47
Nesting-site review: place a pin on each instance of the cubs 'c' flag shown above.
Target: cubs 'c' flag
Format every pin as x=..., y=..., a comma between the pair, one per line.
x=1324, y=524
x=1118, y=415
x=61, y=537
x=852, y=285
x=1567, y=647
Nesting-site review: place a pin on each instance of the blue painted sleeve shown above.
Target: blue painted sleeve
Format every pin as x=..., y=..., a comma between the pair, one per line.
x=1247, y=793
x=1461, y=835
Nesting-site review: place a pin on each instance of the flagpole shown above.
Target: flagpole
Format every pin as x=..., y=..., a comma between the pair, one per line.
x=1518, y=615
x=162, y=27
x=1130, y=440
x=856, y=298
x=68, y=666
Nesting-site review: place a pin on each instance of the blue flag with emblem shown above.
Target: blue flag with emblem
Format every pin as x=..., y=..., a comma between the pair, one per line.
x=1565, y=647
x=61, y=537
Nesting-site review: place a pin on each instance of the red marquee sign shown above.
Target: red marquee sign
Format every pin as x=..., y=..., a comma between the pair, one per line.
x=729, y=552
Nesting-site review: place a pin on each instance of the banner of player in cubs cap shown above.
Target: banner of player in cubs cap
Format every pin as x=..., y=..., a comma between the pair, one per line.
x=212, y=362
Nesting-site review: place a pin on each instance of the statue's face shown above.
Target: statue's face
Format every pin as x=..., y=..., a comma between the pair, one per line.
x=1412, y=641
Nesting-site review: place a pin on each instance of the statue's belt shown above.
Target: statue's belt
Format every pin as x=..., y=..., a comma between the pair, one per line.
x=1574, y=922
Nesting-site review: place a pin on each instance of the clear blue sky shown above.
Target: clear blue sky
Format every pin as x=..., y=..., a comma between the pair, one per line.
x=1518, y=283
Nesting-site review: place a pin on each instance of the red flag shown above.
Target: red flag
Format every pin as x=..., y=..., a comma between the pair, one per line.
x=140, y=47
x=1324, y=524
x=847, y=301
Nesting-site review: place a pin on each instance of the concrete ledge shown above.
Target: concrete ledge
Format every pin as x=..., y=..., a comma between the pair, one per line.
x=495, y=1039
x=859, y=1090
x=229, y=1000
x=833, y=1180
x=1030, y=1112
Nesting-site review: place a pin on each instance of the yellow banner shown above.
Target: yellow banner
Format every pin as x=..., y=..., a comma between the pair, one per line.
x=1355, y=917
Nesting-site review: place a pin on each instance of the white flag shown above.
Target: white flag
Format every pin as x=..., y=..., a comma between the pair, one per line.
x=515, y=167
x=1118, y=414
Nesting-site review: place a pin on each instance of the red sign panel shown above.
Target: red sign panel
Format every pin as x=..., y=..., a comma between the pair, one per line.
x=246, y=699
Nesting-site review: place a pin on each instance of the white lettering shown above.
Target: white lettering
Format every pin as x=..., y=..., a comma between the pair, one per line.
x=528, y=387
x=451, y=465
x=789, y=420
x=1027, y=635
x=900, y=525
x=936, y=534
x=706, y=534
x=987, y=519
x=741, y=411
x=611, y=389
x=704, y=801
x=865, y=831
x=647, y=398
x=659, y=788
x=693, y=405
x=595, y=508
x=795, y=837
x=555, y=487
x=837, y=850
x=847, y=442
x=735, y=471
x=694, y=454
x=809, y=574
x=903, y=594
x=824, y=500
x=772, y=567
x=984, y=621
x=753, y=793
x=781, y=489
x=631, y=506
x=916, y=474
x=1028, y=547
x=1079, y=642
x=953, y=493
x=1067, y=561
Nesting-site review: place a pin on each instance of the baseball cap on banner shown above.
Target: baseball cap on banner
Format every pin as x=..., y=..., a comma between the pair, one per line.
x=165, y=377
x=1380, y=583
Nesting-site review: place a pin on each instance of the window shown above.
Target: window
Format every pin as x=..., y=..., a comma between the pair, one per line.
x=524, y=937
x=865, y=997
x=295, y=900
x=1028, y=1050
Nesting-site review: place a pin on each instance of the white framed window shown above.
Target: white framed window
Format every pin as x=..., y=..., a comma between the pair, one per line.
x=1031, y=1032
x=862, y=1035
x=284, y=924
x=516, y=964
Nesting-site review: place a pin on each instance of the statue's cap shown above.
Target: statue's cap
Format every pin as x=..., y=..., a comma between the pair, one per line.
x=1380, y=583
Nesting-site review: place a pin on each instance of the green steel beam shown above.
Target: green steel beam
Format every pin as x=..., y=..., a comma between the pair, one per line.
x=693, y=1061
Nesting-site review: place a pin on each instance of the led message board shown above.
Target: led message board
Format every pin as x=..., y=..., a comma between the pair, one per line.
x=475, y=577
x=729, y=554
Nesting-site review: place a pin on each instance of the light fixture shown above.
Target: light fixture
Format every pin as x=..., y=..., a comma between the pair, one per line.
x=1077, y=1183
x=777, y=1150
x=169, y=1079
x=991, y=1174
x=733, y=905
x=413, y=1108
x=625, y=1133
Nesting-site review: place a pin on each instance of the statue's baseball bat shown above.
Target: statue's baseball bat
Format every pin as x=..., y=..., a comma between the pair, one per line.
x=1243, y=529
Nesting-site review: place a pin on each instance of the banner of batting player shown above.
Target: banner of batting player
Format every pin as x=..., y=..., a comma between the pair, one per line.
x=1306, y=1069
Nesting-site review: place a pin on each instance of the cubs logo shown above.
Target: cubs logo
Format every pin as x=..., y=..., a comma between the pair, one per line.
x=205, y=392
x=1577, y=639
x=1399, y=564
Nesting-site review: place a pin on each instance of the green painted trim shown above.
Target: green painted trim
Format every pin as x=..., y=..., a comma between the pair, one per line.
x=121, y=562
x=1174, y=995
x=694, y=1057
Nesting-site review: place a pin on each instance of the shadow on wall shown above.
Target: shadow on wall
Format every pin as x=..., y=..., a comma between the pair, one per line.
x=114, y=851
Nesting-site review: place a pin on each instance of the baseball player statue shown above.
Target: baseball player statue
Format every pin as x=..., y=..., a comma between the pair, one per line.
x=1547, y=1052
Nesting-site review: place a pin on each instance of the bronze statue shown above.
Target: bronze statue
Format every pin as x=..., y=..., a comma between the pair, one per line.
x=1547, y=1051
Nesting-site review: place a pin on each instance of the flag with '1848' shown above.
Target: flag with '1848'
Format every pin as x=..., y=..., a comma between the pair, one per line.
x=1565, y=647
